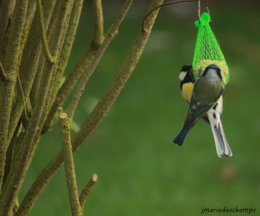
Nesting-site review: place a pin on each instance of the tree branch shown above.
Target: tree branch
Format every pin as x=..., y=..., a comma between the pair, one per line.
x=88, y=63
x=117, y=85
x=24, y=155
x=85, y=192
x=27, y=72
x=43, y=33
x=99, y=24
x=68, y=85
x=29, y=17
x=67, y=46
x=97, y=115
x=10, y=67
x=69, y=165
x=6, y=11
x=3, y=76
x=163, y=5
x=36, y=87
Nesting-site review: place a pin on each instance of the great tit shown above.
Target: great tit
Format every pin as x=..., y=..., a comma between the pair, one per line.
x=187, y=80
x=212, y=117
x=206, y=92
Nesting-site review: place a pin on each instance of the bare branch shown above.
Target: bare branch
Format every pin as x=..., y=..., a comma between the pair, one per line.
x=28, y=144
x=117, y=85
x=87, y=64
x=27, y=72
x=29, y=17
x=10, y=64
x=3, y=76
x=162, y=5
x=6, y=11
x=43, y=32
x=95, y=118
x=69, y=165
x=67, y=46
x=99, y=24
x=85, y=192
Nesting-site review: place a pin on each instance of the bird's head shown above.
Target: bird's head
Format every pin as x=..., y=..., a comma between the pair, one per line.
x=213, y=71
x=186, y=74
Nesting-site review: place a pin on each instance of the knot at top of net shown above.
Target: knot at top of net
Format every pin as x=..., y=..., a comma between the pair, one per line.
x=204, y=19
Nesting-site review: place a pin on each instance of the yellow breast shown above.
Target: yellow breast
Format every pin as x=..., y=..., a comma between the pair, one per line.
x=187, y=89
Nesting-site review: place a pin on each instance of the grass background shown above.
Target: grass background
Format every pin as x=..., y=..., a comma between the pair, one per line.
x=140, y=171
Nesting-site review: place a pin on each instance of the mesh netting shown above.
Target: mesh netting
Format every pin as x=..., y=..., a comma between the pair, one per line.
x=207, y=50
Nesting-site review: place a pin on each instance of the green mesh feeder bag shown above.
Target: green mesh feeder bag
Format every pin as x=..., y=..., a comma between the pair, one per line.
x=207, y=50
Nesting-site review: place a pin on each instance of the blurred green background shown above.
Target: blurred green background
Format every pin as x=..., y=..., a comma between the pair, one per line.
x=141, y=172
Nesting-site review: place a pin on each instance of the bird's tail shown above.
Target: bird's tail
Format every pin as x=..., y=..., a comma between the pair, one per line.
x=222, y=146
x=179, y=139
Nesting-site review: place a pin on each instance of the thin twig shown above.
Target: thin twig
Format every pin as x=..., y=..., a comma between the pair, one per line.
x=69, y=165
x=99, y=24
x=88, y=127
x=43, y=32
x=162, y=5
x=85, y=192
x=75, y=100
x=87, y=64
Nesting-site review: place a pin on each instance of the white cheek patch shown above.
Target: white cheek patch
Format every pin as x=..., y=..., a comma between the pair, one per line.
x=182, y=75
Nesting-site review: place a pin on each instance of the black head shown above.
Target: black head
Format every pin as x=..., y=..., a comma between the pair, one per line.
x=213, y=67
x=186, y=75
x=187, y=67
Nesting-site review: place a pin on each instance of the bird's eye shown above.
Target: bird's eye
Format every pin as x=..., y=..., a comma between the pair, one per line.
x=182, y=75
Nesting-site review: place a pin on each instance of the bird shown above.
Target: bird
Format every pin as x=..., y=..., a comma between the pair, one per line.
x=212, y=77
x=213, y=116
x=187, y=80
